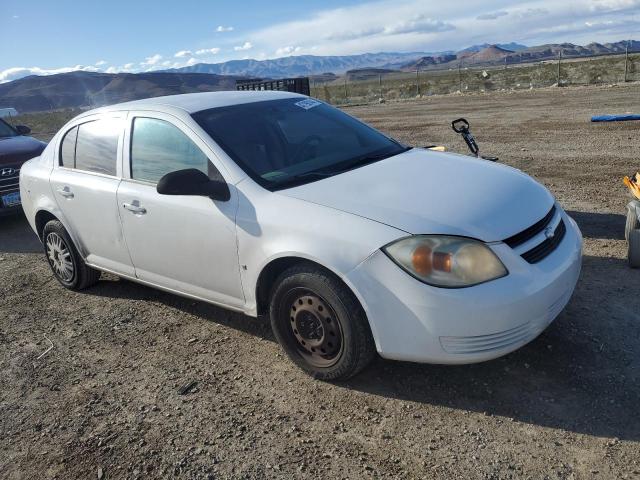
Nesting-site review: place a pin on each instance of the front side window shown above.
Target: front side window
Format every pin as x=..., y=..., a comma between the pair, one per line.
x=282, y=143
x=158, y=148
x=97, y=146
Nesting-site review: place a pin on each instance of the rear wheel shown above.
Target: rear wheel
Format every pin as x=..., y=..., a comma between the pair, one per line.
x=66, y=264
x=320, y=324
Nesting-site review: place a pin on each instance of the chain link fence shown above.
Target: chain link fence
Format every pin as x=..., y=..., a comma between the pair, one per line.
x=373, y=87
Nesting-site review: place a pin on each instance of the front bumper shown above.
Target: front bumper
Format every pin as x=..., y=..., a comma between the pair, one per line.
x=416, y=322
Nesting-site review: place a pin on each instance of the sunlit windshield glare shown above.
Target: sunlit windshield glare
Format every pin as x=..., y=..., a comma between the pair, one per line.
x=279, y=142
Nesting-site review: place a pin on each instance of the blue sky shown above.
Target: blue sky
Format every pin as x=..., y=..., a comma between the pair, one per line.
x=46, y=36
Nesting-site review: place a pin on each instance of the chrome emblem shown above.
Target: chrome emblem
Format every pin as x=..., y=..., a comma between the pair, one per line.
x=7, y=172
x=549, y=233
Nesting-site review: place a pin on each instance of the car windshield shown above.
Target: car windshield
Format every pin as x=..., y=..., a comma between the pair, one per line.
x=289, y=142
x=6, y=130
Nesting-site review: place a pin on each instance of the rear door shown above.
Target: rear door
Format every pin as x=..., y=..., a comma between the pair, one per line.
x=182, y=243
x=84, y=181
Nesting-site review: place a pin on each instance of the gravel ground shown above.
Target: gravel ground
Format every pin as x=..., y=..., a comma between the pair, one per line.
x=104, y=402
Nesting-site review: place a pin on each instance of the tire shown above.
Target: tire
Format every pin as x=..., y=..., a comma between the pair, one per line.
x=310, y=306
x=633, y=255
x=66, y=263
x=632, y=222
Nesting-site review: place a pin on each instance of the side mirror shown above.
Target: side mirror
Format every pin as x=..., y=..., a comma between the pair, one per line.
x=23, y=129
x=193, y=182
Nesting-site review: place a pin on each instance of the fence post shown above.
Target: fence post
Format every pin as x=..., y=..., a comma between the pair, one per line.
x=417, y=82
x=626, y=63
x=559, y=62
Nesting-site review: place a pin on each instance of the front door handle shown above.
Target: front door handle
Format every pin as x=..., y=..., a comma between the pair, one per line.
x=65, y=192
x=137, y=209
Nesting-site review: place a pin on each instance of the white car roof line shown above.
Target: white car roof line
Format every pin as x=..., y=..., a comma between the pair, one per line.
x=194, y=102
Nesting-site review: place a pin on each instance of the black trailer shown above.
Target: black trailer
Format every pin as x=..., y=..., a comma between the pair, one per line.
x=295, y=85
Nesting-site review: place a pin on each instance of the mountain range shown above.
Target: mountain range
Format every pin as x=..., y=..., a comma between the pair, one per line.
x=302, y=65
x=92, y=89
x=89, y=89
x=516, y=53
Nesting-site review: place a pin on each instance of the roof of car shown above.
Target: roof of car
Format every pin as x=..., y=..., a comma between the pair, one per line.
x=195, y=102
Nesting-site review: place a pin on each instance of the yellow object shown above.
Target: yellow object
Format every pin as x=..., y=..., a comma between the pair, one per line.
x=634, y=184
x=438, y=149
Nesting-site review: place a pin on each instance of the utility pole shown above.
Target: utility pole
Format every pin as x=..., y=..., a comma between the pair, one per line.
x=626, y=62
x=417, y=82
x=559, y=62
x=346, y=94
x=460, y=75
x=380, y=84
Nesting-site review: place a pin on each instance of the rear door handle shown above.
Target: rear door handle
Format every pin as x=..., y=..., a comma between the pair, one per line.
x=137, y=209
x=65, y=192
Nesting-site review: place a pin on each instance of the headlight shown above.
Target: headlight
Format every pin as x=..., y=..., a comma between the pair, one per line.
x=444, y=261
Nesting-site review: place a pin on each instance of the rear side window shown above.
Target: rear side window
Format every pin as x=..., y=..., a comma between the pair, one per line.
x=68, y=150
x=97, y=146
x=158, y=148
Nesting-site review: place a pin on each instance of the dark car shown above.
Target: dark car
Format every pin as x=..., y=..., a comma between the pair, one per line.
x=15, y=149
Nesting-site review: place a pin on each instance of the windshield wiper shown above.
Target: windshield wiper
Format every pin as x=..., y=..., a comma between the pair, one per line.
x=344, y=167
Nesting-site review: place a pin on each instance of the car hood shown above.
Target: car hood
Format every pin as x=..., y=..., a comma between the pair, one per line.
x=425, y=192
x=17, y=150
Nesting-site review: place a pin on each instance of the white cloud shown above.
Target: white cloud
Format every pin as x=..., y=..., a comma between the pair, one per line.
x=15, y=73
x=192, y=61
x=433, y=26
x=222, y=28
x=208, y=51
x=492, y=16
x=183, y=53
x=100, y=63
x=245, y=46
x=283, y=51
x=128, y=66
x=531, y=12
x=152, y=60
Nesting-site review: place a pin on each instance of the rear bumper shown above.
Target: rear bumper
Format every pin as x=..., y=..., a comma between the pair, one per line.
x=413, y=321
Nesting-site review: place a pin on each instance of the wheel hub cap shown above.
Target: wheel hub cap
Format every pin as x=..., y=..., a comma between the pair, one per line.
x=59, y=257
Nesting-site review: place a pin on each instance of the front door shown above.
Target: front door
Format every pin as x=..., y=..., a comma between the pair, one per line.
x=183, y=243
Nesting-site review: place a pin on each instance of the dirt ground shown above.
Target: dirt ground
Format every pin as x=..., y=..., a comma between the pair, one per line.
x=104, y=402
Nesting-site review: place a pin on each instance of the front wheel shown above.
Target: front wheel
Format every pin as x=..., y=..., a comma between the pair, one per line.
x=320, y=324
x=66, y=263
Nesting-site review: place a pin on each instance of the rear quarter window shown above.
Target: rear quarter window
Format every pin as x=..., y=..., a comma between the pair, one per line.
x=97, y=146
x=68, y=149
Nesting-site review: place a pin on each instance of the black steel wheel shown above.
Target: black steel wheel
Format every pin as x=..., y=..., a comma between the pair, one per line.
x=320, y=324
x=316, y=328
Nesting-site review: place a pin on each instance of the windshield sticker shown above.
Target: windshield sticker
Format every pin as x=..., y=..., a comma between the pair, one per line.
x=308, y=103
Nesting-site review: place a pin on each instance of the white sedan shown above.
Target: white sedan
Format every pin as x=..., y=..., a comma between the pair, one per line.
x=275, y=203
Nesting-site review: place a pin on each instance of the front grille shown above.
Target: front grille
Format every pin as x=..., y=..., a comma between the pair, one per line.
x=486, y=343
x=532, y=231
x=11, y=183
x=539, y=252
